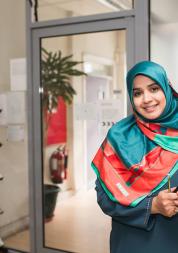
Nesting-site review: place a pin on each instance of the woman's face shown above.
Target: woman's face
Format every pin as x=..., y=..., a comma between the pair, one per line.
x=148, y=97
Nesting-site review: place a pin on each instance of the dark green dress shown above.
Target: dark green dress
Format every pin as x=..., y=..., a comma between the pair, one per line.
x=136, y=230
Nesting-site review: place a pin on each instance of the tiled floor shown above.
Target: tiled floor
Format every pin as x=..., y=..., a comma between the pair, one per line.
x=78, y=226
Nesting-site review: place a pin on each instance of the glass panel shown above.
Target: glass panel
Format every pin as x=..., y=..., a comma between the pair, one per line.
x=73, y=132
x=55, y=9
x=14, y=209
x=164, y=36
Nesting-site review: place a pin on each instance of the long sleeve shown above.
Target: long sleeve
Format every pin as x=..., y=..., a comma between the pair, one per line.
x=138, y=216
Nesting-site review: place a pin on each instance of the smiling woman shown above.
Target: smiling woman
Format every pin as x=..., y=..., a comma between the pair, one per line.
x=132, y=175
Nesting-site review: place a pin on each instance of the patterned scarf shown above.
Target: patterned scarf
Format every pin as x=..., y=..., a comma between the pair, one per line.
x=137, y=154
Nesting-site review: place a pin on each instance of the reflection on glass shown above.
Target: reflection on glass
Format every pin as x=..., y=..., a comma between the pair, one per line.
x=164, y=36
x=92, y=78
x=55, y=9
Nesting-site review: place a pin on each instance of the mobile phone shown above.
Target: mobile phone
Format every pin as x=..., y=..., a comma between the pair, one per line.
x=176, y=189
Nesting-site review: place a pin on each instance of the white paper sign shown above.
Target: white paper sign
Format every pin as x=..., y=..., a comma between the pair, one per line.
x=110, y=112
x=18, y=74
x=15, y=133
x=87, y=111
x=16, y=108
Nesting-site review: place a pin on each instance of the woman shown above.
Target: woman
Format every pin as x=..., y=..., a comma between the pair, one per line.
x=136, y=163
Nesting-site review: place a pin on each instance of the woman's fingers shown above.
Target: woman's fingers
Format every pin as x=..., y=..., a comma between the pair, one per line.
x=171, y=213
x=170, y=191
x=165, y=194
x=172, y=196
x=165, y=203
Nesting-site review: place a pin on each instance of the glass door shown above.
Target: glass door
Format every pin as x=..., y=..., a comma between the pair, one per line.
x=79, y=92
x=89, y=76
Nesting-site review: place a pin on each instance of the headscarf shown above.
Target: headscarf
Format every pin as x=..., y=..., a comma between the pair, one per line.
x=138, y=154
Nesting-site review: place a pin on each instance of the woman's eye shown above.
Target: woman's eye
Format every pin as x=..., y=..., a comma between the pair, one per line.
x=155, y=89
x=137, y=93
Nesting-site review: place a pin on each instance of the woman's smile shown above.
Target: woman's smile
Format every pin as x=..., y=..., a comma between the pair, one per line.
x=150, y=108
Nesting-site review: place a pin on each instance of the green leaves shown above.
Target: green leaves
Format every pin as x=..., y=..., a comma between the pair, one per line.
x=56, y=73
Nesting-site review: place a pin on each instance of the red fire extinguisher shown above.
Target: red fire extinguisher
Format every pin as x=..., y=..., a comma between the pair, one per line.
x=58, y=165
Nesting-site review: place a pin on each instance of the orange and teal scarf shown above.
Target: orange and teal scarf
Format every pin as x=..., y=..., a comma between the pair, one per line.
x=137, y=155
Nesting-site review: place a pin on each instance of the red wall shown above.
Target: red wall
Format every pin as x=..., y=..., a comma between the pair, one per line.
x=57, y=125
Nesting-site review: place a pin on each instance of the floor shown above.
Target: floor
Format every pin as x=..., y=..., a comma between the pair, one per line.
x=78, y=226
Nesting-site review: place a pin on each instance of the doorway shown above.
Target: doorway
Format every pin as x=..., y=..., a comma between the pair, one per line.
x=98, y=103
x=90, y=115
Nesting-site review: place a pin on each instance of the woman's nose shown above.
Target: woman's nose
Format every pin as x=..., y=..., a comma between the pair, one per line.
x=147, y=97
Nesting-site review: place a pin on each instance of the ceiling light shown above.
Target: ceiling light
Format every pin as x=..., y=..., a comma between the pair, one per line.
x=116, y=4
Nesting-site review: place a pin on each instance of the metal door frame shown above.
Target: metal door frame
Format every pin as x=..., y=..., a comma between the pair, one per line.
x=137, y=45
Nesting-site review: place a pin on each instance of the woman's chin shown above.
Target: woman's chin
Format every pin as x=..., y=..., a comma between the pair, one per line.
x=151, y=115
x=150, y=112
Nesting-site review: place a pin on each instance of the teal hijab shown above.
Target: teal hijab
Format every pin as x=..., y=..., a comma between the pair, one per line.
x=169, y=117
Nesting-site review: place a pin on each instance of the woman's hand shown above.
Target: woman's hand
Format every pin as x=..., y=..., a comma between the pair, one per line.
x=165, y=203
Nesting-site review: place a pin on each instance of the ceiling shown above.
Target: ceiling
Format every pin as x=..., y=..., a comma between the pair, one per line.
x=87, y=7
x=162, y=11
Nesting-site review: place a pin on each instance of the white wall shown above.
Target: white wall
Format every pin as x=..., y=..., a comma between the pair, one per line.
x=13, y=155
x=164, y=49
x=12, y=27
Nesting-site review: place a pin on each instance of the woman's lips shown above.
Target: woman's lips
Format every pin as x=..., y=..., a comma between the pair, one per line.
x=150, y=108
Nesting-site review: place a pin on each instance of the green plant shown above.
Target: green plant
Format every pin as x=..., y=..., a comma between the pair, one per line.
x=56, y=78
x=56, y=73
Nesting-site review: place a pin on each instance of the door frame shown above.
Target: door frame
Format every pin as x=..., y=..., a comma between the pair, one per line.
x=136, y=23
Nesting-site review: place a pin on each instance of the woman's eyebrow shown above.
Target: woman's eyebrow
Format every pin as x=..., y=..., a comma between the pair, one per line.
x=149, y=85
x=137, y=88
x=152, y=84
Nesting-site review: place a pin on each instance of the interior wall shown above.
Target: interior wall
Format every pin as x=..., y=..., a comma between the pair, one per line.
x=13, y=155
x=164, y=49
x=12, y=27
